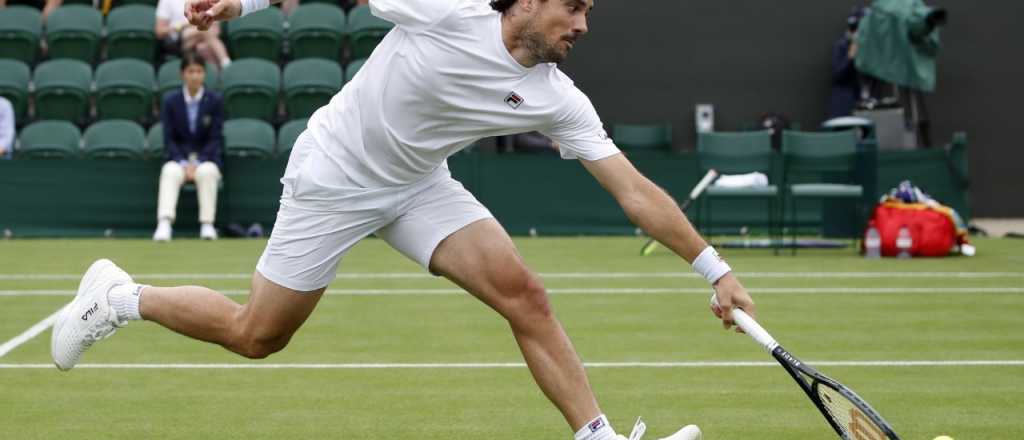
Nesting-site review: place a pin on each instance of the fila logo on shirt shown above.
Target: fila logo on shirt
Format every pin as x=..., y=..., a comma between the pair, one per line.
x=514, y=100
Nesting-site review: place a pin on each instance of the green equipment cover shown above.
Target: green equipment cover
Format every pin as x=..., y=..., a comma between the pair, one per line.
x=897, y=44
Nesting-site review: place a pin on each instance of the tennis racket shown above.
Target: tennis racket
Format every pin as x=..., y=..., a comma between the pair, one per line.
x=848, y=414
x=711, y=175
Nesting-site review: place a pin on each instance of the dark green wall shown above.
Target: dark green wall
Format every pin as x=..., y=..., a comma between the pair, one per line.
x=654, y=60
x=541, y=192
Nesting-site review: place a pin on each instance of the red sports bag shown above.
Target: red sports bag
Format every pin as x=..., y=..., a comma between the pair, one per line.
x=930, y=227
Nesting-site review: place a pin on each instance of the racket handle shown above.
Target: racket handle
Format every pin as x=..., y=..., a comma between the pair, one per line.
x=752, y=328
x=703, y=184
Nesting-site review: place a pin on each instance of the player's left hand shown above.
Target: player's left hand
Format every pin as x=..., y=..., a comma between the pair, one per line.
x=203, y=13
x=730, y=293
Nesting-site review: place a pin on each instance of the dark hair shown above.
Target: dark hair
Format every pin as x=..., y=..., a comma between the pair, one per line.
x=189, y=58
x=502, y=5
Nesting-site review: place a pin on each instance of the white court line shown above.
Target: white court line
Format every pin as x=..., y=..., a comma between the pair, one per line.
x=555, y=275
x=499, y=365
x=27, y=335
x=611, y=291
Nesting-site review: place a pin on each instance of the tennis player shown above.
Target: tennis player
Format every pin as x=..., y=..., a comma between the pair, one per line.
x=373, y=161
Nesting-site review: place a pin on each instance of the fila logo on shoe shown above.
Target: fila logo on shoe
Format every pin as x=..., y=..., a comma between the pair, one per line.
x=95, y=308
x=596, y=424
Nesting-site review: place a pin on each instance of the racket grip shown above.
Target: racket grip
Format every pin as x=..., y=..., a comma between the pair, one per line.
x=752, y=328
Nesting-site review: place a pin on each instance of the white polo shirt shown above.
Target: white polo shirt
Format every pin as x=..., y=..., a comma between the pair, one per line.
x=441, y=80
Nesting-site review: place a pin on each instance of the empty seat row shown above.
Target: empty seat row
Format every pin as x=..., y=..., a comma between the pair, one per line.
x=75, y=31
x=315, y=30
x=123, y=139
x=124, y=88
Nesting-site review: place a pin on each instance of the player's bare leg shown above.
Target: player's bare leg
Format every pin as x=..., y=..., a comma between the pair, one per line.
x=108, y=299
x=482, y=259
x=256, y=329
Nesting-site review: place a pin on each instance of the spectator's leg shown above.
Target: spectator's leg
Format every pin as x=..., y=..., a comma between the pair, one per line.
x=216, y=47
x=287, y=6
x=193, y=39
x=172, y=176
x=207, y=178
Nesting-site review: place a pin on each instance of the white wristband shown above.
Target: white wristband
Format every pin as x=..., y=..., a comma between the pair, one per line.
x=250, y=6
x=711, y=266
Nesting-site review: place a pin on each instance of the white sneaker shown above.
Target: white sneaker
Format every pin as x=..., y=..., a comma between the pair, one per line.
x=689, y=432
x=163, y=231
x=89, y=317
x=207, y=232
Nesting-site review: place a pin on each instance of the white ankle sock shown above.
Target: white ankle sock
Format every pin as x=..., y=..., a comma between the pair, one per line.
x=597, y=429
x=125, y=301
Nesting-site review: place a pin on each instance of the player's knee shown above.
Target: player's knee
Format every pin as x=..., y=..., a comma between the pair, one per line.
x=528, y=303
x=256, y=342
x=261, y=347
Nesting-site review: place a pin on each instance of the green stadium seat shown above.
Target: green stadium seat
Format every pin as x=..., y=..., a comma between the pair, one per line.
x=169, y=78
x=49, y=140
x=365, y=31
x=316, y=31
x=248, y=138
x=309, y=84
x=14, y=80
x=821, y=166
x=738, y=153
x=155, y=142
x=257, y=35
x=115, y=139
x=73, y=31
x=62, y=90
x=124, y=90
x=287, y=135
x=130, y=33
x=353, y=68
x=251, y=87
x=20, y=30
x=650, y=137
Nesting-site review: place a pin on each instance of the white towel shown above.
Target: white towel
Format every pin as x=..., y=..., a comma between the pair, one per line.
x=749, y=180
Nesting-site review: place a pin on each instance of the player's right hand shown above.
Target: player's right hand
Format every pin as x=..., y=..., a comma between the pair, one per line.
x=203, y=13
x=730, y=293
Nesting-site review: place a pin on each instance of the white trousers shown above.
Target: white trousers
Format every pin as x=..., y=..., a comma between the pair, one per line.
x=172, y=178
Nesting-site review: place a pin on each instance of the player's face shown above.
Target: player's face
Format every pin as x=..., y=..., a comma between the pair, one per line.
x=556, y=27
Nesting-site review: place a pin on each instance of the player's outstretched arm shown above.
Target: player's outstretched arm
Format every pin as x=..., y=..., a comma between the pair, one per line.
x=203, y=13
x=653, y=210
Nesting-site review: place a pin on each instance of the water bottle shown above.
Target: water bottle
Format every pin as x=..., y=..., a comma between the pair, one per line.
x=904, y=242
x=872, y=243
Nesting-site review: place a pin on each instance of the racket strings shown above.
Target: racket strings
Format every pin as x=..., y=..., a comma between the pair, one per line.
x=851, y=420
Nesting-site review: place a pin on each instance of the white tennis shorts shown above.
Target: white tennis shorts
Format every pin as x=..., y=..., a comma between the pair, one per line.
x=318, y=223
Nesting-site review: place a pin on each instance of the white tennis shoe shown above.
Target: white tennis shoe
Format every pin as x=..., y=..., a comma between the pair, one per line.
x=89, y=317
x=689, y=432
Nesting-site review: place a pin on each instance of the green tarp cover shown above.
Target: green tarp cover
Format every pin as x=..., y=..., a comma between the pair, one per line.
x=894, y=45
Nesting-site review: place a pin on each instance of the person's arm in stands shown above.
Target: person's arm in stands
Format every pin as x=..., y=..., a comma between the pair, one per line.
x=214, y=141
x=174, y=151
x=163, y=28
